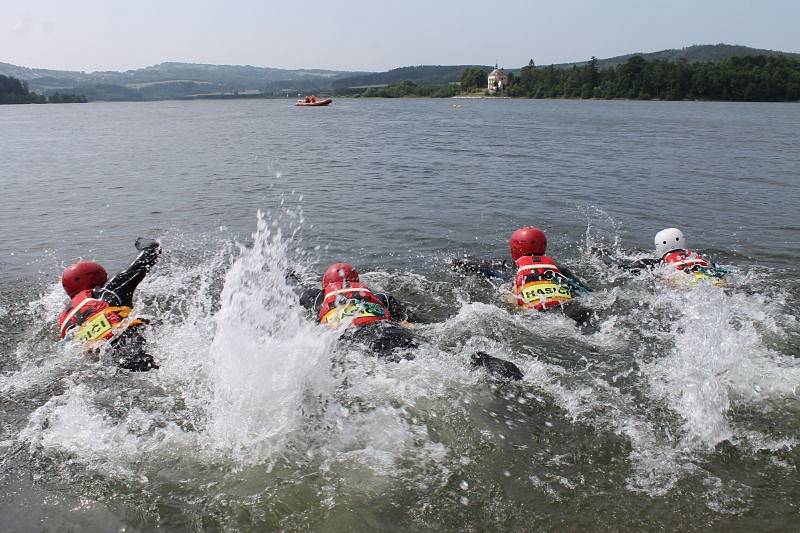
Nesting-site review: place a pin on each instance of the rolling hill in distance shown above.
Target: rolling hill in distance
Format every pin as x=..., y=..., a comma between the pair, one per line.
x=428, y=74
x=692, y=54
x=171, y=80
x=187, y=80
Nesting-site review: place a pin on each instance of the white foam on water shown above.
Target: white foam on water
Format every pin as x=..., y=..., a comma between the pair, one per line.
x=234, y=373
x=583, y=397
x=704, y=352
x=432, y=374
x=184, y=326
x=657, y=459
x=75, y=425
x=50, y=304
x=699, y=379
x=376, y=439
x=38, y=360
x=727, y=497
x=40, y=375
x=245, y=380
x=719, y=359
x=265, y=355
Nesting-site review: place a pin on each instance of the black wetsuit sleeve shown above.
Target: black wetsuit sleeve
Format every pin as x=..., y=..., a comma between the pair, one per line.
x=635, y=267
x=311, y=299
x=399, y=311
x=647, y=263
x=487, y=268
x=575, y=283
x=119, y=289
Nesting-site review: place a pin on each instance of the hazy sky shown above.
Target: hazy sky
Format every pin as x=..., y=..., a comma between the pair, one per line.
x=374, y=35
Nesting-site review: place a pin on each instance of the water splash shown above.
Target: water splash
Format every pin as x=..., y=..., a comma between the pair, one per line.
x=718, y=360
x=266, y=355
x=250, y=387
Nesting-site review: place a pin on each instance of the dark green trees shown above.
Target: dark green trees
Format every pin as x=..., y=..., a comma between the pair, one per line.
x=58, y=98
x=407, y=88
x=473, y=78
x=14, y=91
x=753, y=79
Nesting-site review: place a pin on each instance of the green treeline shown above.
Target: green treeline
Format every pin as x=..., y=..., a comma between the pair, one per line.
x=740, y=79
x=473, y=78
x=58, y=98
x=14, y=91
x=407, y=88
x=421, y=75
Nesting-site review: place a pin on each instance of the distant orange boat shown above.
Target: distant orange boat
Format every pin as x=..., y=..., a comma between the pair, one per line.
x=318, y=103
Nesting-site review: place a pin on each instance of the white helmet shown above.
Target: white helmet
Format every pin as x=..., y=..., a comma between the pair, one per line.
x=669, y=239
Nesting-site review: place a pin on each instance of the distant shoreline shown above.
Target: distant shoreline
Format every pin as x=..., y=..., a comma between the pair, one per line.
x=593, y=99
x=412, y=97
x=480, y=97
x=703, y=72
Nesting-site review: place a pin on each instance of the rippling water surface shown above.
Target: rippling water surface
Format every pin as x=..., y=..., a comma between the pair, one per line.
x=678, y=409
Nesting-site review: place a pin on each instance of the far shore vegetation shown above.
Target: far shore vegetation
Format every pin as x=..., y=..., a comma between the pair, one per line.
x=738, y=79
x=702, y=72
x=14, y=91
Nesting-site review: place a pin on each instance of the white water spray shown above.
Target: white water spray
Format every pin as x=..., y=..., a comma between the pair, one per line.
x=266, y=356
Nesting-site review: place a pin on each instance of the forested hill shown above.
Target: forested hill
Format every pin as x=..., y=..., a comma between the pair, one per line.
x=15, y=91
x=691, y=54
x=188, y=80
x=737, y=79
x=438, y=75
x=171, y=80
x=423, y=74
x=240, y=75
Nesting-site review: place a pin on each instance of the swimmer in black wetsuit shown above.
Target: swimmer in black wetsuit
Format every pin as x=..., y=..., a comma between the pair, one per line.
x=670, y=246
x=540, y=283
x=375, y=319
x=100, y=309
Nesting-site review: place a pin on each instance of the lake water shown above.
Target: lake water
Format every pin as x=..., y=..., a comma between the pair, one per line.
x=678, y=410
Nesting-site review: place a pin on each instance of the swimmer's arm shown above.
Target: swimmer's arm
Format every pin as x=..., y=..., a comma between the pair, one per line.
x=487, y=268
x=716, y=269
x=119, y=289
x=632, y=266
x=311, y=299
x=574, y=281
x=399, y=311
x=720, y=270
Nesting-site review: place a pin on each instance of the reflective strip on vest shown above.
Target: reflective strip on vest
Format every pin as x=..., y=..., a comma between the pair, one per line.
x=73, y=312
x=350, y=312
x=689, y=262
x=359, y=290
x=98, y=328
x=536, y=266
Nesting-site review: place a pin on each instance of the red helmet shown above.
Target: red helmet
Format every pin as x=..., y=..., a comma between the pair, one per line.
x=527, y=241
x=83, y=276
x=338, y=272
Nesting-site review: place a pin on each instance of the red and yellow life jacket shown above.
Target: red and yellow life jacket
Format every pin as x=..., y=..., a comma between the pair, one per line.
x=351, y=305
x=538, y=284
x=685, y=260
x=694, y=264
x=96, y=321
